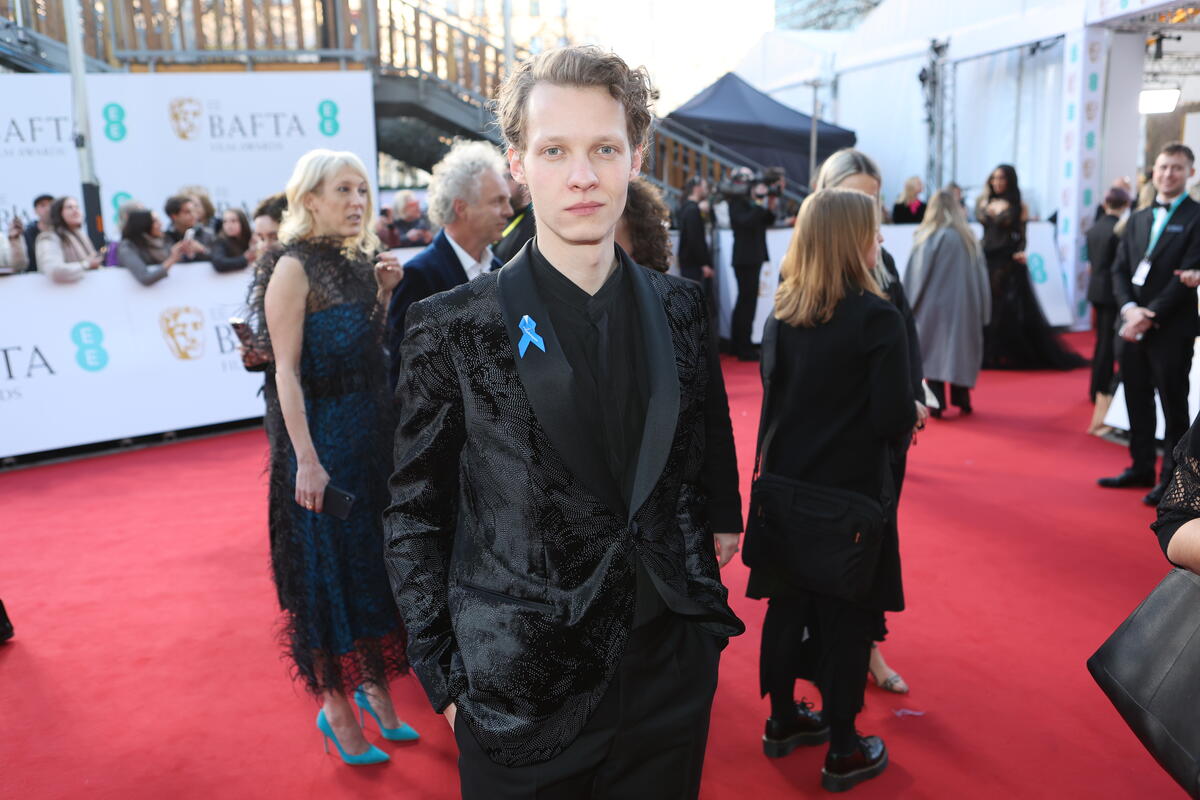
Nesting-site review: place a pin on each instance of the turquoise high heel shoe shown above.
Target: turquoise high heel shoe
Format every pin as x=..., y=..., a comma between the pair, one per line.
x=373, y=755
x=404, y=733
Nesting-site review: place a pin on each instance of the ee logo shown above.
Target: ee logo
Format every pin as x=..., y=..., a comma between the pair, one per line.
x=327, y=110
x=114, y=122
x=1037, y=268
x=90, y=356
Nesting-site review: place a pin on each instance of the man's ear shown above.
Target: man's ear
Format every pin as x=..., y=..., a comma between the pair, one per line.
x=516, y=166
x=460, y=206
x=635, y=166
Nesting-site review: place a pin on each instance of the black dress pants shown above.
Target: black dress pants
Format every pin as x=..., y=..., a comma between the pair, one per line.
x=1157, y=363
x=646, y=739
x=744, y=308
x=1105, y=353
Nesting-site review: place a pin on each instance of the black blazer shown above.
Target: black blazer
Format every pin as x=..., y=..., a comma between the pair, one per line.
x=693, y=242
x=1101, y=250
x=902, y=215
x=749, y=222
x=841, y=401
x=1177, y=248
x=514, y=574
x=434, y=269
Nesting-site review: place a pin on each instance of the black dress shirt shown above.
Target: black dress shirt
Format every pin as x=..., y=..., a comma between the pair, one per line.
x=600, y=336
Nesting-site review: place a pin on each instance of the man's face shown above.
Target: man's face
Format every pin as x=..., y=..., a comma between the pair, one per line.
x=42, y=210
x=412, y=210
x=577, y=163
x=487, y=213
x=1171, y=173
x=186, y=218
x=266, y=231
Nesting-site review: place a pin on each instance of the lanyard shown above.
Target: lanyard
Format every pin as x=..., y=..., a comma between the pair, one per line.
x=515, y=222
x=1155, y=234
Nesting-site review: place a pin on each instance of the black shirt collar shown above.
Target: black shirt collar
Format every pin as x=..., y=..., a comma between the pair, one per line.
x=560, y=289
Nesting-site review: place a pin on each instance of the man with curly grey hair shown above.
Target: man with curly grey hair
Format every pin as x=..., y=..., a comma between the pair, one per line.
x=468, y=200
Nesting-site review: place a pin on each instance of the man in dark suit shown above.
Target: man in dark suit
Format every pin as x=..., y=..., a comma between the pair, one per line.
x=468, y=197
x=547, y=539
x=1158, y=317
x=1102, y=245
x=749, y=216
x=695, y=258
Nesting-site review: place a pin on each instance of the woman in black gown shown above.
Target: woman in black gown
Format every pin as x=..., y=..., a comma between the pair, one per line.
x=318, y=303
x=1018, y=337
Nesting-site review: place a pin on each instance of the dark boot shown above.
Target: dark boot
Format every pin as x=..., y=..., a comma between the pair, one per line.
x=806, y=728
x=844, y=772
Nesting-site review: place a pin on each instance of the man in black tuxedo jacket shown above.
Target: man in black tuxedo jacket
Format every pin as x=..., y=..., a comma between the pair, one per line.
x=468, y=197
x=547, y=539
x=1158, y=318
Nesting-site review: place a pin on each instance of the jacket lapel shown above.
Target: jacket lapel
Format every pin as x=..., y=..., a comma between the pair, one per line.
x=547, y=378
x=452, y=271
x=662, y=407
x=1182, y=216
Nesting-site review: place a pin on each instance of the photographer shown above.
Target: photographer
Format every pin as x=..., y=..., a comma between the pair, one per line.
x=752, y=201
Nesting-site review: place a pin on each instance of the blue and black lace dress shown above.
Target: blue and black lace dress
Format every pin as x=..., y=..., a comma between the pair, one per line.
x=341, y=626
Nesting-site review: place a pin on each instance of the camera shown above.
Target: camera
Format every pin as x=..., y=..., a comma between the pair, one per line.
x=741, y=182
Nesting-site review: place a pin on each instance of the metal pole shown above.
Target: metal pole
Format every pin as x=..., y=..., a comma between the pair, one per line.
x=509, y=50
x=812, y=136
x=87, y=167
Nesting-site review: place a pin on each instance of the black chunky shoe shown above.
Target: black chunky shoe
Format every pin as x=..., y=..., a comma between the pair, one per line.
x=807, y=728
x=6, y=628
x=844, y=772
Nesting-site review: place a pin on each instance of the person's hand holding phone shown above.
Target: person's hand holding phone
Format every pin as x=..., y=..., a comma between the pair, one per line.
x=311, y=480
x=15, y=229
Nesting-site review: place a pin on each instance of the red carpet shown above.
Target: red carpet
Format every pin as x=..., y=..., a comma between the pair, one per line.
x=145, y=667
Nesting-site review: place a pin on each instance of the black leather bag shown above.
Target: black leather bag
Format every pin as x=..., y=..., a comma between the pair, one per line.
x=1150, y=670
x=827, y=538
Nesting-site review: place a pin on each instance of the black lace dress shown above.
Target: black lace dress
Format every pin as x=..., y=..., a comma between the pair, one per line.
x=1019, y=337
x=1181, y=502
x=341, y=624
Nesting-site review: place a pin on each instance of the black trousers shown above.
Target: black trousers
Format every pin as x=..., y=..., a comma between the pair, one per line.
x=959, y=395
x=1157, y=363
x=1105, y=353
x=646, y=739
x=744, y=308
x=823, y=640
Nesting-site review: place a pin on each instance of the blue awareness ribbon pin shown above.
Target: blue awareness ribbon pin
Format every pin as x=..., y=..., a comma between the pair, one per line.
x=529, y=330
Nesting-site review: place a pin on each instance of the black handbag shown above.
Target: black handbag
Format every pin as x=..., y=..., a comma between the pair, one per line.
x=1150, y=670
x=827, y=539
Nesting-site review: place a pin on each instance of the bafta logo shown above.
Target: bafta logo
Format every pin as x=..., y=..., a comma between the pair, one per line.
x=183, y=330
x=185, y=117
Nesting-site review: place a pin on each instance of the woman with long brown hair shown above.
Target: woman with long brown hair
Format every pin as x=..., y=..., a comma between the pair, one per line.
x=837, y=399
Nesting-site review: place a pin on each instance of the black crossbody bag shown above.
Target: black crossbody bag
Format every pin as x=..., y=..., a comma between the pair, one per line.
x=825, y=538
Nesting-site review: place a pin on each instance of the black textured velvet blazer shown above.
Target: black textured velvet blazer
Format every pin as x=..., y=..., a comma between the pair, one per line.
x=513, y=572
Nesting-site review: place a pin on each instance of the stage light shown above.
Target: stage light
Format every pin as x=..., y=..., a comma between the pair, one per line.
x=1158, y=101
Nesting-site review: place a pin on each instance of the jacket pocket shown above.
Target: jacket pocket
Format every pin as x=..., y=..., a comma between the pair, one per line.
x=504, y=598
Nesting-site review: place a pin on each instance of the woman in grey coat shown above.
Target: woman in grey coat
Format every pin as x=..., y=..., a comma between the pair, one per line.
x=947, y=283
